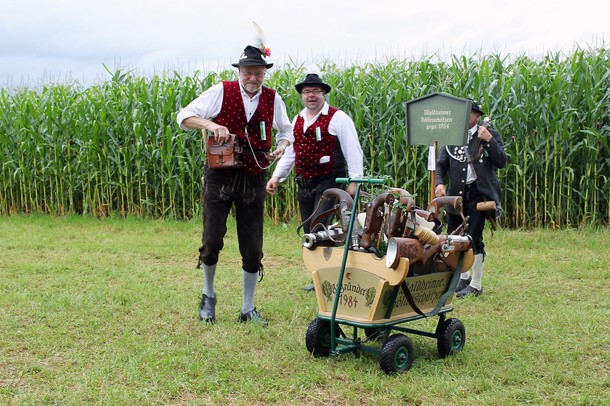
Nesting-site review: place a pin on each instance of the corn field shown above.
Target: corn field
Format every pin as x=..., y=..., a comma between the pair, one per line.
x=115, y=148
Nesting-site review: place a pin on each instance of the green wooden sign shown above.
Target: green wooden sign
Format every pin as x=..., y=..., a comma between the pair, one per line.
x=438, y=117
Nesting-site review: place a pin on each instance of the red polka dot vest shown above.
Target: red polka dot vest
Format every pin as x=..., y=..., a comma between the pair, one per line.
x=233, y=116
x=309, y=150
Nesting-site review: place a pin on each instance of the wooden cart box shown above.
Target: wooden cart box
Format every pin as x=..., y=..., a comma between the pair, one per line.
x=368, y=284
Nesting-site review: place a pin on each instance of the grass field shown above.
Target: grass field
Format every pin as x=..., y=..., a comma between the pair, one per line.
x=104, y=312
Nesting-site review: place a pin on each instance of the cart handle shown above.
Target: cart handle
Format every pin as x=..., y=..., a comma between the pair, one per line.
x=352, y=217
x=360, y=180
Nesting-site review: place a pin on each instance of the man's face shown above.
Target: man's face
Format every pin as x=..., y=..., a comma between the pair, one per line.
x=312, y=97
x=252, y=77
x=474, y=118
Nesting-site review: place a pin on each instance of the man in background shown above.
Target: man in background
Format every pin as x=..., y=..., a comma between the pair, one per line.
x=326, y=147
x=472, y=174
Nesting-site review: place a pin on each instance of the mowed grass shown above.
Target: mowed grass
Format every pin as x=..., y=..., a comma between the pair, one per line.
x=104, y=312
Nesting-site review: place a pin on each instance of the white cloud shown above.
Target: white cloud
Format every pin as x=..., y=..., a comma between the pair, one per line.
x=75, y=38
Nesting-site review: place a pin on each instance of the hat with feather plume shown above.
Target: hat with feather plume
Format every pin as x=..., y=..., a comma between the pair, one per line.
x=255, y=55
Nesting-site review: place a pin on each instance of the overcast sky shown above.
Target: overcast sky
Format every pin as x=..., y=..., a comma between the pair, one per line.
x=58, y=40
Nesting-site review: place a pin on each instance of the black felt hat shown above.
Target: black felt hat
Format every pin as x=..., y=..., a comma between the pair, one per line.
x=476, y=107
x=252, y=56
x=312, y=79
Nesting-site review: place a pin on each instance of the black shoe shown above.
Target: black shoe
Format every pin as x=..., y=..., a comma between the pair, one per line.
x=254, y=317
x=469, y=290
x=309, y=288
x=207, y=309
x=462, y=284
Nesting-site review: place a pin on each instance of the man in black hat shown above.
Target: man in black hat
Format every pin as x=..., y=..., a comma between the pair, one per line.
x=250, y=111
x=472, y=171
x=326, y=147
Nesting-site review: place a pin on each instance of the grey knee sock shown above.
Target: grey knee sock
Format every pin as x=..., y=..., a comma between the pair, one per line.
x=208, y=280
x=249, y=280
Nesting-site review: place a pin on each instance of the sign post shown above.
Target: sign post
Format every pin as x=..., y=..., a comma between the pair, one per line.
x=437, y=120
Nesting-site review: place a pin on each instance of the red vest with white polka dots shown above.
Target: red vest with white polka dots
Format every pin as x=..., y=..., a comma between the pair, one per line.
x=309, y=151
x=233, y=116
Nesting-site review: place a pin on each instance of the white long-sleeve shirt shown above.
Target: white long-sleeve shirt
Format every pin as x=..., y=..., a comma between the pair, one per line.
x=209, y=103
x=341, y=126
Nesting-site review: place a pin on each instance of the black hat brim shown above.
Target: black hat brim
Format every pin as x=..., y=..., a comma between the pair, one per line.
x=251, y=63
x=324, y=86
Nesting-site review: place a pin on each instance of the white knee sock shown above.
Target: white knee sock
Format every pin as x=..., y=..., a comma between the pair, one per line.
x=208, y=280
x=249, y=280
x=465, y=275
x=477, y=271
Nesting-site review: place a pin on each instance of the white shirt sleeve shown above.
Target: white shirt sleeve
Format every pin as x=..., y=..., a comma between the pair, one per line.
x=281, y=122
x=207, y=105
x=286, y=162
x=342, y=126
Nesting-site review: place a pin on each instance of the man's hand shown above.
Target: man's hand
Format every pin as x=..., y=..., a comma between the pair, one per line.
x=276, y=154
x=440, y=190
x=272, y=185
x=351, y=189
x=221, y=133
x=484, y=134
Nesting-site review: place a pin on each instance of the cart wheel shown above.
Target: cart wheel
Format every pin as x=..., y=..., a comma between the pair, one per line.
x=379, y=334
x=451, y=337
x=397, y=354
x=317, y=338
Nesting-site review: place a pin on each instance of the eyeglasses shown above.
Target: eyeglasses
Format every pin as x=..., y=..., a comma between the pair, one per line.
x=247, y=74
x=312, y=91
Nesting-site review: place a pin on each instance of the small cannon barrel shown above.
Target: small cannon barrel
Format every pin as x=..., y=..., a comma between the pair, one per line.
x=311, y=240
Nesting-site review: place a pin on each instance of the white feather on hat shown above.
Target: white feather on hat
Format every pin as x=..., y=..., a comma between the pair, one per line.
x=260, y=40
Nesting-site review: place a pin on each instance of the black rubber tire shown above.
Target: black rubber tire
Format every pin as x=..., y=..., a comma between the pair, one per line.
x=451, y=337
x=317, y=338
x=397, y=354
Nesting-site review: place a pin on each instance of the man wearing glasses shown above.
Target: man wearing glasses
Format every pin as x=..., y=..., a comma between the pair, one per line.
x=326, y=147
x=250, y=111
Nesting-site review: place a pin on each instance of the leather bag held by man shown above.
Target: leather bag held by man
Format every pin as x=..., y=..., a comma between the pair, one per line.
x=223, y=155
